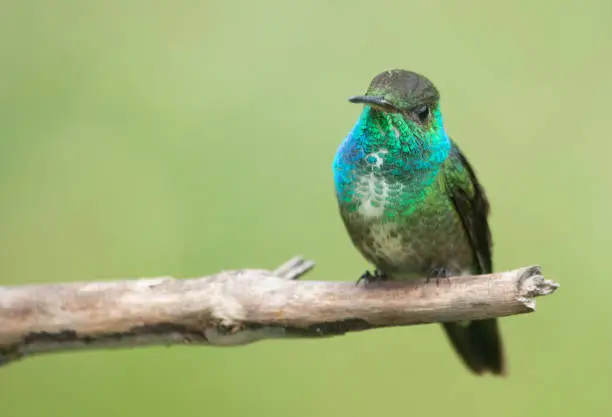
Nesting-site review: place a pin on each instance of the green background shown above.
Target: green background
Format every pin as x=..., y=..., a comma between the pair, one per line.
x=150, y=138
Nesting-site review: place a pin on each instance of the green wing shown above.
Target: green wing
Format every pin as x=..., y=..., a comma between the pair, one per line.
x=479, y=342
x=470, y=201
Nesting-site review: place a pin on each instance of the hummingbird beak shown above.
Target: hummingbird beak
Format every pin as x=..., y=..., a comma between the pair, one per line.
x=375, y=101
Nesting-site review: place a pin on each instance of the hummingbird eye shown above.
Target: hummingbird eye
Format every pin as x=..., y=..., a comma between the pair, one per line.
x=422, y=113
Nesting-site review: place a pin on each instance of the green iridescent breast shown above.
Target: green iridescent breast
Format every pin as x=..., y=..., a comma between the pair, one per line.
x=403, y=235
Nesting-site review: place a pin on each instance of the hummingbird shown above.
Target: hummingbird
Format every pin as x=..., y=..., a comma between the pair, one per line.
x=412, y=204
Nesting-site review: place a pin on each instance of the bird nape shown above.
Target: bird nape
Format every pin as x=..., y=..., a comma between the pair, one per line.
x=411, y=201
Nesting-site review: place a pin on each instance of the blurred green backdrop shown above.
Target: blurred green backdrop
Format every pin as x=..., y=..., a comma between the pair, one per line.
x=149, y=138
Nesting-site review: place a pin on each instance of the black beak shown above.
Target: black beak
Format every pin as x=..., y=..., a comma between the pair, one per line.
x=373, y=100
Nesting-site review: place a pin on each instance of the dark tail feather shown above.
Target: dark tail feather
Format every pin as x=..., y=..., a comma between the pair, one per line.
x=479, y=344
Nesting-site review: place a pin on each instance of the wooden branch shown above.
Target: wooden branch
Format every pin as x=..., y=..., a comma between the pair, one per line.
x=243, y=306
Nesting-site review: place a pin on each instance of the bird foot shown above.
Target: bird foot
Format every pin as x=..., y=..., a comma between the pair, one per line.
x=367, y=277
x=438, y=275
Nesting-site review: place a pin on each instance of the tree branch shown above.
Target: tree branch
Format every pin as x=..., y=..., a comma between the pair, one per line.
x=243, y=306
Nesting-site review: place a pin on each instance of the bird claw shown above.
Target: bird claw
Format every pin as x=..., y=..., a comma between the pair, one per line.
x=438, y=275
x=367, y=277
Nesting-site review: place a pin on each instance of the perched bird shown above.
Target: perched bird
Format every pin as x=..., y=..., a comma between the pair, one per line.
x=411, y=201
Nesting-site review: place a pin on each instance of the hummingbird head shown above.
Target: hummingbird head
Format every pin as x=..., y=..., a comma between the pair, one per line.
x=402, y=114
x=402, y=92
